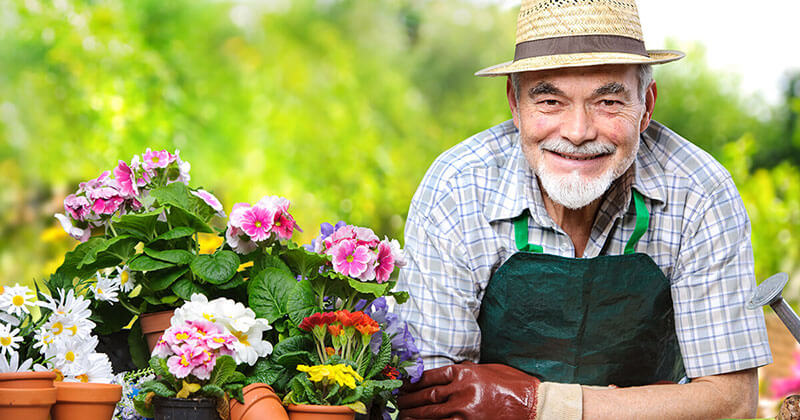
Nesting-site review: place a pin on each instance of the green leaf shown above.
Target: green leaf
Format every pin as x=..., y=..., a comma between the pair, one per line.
x=371, y=388
x=382, y=358
x=159, y=388
x=177, y=256
x=265, y=371
x=162, y=280
x=72, y=259
x=233, y=283
x=145, y=263
x=212, y=390
x=175, y=194
x=98, y=245
x=400, y=297
x=178, y=232
x=185, y=288
x=301, y=261
x=216, y=268
x=263, y=261
x=141, y=226
x=141, y=407
x=160, y=368
x=181, y=217
x=311, y=392
x=294, y=358
x=268, y=293
x=292, y=344
x=302, y=302
x=169, y=300
x=374, y=289
x=223, y=370
x=138, y=347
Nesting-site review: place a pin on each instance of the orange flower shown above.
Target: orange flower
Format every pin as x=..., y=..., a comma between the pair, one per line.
x=330, y=350
x=368, y=328
x=335, y=329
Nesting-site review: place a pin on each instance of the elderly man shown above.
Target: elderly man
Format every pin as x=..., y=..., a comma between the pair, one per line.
x=581, y=260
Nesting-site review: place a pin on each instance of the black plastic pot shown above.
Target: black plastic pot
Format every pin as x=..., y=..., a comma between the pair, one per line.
x=185, y=409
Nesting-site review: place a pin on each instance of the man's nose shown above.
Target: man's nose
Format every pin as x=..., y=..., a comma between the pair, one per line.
x=577, y=126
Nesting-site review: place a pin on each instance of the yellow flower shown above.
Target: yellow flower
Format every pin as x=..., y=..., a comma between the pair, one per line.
x=208, y=242
x=342, y=374
x=187, y=389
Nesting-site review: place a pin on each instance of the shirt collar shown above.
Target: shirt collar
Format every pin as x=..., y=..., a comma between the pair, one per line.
x=517, y=189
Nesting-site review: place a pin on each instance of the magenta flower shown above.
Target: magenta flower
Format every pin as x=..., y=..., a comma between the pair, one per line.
x=109, y=206
x=94, y=184
x=385, y=262
x=186, y=358
x=204, y=328
x=77, y=206
x=126, y=180
x=257, y=223
x=284, y=224
x=366, y=236
x=237, y=213
x=153, y=160
x=209, y=199
x=350, y=259
x=205, y=365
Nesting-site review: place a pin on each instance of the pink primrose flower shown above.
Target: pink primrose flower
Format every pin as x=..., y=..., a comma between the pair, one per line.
x=237, y=213
x=159, y=159
x=162, y=349
x=77, y=233
x=183, y=170
x=284, y=224
x=93, y=184
x=203, y=369
x=365, y=236
x=109, y=206
x=385, y=262
x=126, y=180
x=77, y=206
x=211, y=200
x=350, y=259
x=372, y=262
x=186, y=358
x=257, y=223
x=274, y=201
x=239, y=241
x=203, y=328
x=224, y=343
x=176, y=336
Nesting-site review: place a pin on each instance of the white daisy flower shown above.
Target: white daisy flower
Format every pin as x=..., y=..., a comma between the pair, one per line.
x=66, y=355
x=43, y=338
x=17, y=299
x=68, y=305
x=95, y=368
x=13, y=365
x=105, y=289
x=125, y=278
x=9, y=340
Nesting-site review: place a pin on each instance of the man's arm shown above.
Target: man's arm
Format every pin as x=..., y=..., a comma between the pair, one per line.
x=729, y=395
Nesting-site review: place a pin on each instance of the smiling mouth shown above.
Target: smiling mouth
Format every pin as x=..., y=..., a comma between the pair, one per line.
x=579, y=157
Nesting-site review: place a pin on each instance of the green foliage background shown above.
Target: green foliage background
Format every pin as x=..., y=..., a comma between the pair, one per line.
x=339, y=105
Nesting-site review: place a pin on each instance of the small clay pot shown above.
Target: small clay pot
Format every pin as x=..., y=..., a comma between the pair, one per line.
x=18, y=380
x=260, y=402
x=320, y=412
x=185, y=409
x=153, y=326
x=26, y=403
x=85, y=401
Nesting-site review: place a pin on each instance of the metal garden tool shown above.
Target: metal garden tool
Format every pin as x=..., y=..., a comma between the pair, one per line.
x=769, y=293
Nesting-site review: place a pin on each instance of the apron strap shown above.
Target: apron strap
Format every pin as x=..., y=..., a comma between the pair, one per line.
x=642, y=222
x=521, y=234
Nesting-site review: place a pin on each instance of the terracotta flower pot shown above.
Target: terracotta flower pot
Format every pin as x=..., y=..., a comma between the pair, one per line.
x=153, y=326
x=184, y=409
x=17, y=380
x=319, y=412
x=260, y=402
x=85, y=401
x=26, y=403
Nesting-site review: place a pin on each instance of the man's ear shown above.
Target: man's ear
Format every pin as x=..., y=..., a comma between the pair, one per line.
x=512, y=101
x=649, y=105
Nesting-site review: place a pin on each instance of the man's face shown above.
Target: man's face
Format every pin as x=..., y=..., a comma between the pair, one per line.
x=580, y=127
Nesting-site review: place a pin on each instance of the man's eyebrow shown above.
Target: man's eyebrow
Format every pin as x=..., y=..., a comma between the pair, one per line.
x=544, y=88
x=611, y=88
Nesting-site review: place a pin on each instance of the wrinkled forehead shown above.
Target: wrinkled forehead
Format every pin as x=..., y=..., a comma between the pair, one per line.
x=623, y=74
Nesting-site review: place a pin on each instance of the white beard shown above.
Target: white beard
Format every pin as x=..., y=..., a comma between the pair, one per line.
x=574, y=191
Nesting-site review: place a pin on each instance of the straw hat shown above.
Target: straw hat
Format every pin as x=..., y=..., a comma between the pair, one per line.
x=571, y=33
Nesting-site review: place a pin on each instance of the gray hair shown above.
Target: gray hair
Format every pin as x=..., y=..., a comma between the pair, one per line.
x=645, y=78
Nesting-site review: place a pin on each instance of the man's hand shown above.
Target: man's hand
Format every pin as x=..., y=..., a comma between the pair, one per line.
x=468, y=390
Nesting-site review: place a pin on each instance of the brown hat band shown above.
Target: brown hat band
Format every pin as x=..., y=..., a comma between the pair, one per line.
x=576, y=44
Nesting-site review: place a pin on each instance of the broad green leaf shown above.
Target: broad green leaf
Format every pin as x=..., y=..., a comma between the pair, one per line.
x=141, y=225
x=144, y=263
x=372, y=288
x=99, y=245
x=292, y=344
x=371, y=388
x=265, y=371
x=216, y=268
x=311, y=391
x=140, y=353
x=169, y=300
x=182, y=217
x=223, y=370
x=233, y=283
x=268, y=293
x=164, y=279
x=302, y=302
x=72, y=259
x=294, y=358
x=400, y=297
x=302, y=261
x=178, y=232
x=185, y=288
x=175, y=194
x=177, y=256
x=159, y=388
x=212, y=390
x=263, y=261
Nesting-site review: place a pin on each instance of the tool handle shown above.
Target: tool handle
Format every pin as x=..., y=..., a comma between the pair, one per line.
x=789, y=318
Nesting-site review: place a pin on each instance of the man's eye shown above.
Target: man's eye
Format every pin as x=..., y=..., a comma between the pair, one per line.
x=609, y=102
x=549, y=102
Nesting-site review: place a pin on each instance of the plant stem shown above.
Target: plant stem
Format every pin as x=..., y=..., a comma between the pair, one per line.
x=111, y=226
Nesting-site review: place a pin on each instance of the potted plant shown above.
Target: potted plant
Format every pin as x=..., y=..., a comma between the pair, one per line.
x=330, y=353
x=141, y=229
x=196, y=359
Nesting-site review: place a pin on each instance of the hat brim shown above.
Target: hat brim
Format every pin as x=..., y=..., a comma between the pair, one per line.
x=579, y=60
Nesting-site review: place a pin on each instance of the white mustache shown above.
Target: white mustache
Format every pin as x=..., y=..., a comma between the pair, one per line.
x=567, y=147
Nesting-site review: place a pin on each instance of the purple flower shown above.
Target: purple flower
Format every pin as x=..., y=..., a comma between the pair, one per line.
x=403, y=345
x=325, y=230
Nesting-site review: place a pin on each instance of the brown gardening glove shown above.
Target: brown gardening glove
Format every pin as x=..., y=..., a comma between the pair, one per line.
x=470, y=391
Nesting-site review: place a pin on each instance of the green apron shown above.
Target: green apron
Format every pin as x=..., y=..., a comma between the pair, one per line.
x=592, y=321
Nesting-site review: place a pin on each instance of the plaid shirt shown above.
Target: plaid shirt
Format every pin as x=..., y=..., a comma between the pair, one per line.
x=459, y=231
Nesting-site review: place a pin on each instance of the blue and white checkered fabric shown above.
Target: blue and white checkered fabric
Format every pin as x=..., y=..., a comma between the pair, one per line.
x=459, y=231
